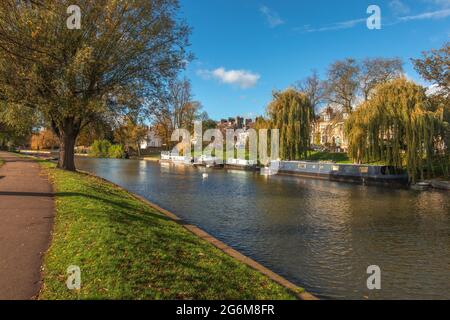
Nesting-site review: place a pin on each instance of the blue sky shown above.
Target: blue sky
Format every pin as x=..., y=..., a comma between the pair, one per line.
x=244, y=49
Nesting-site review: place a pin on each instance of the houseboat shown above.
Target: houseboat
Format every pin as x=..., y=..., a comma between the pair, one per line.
x=364, y=174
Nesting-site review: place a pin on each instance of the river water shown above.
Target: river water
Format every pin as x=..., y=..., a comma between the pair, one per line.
x=318, y=234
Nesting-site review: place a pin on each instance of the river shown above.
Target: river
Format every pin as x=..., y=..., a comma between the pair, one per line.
x=318, y=234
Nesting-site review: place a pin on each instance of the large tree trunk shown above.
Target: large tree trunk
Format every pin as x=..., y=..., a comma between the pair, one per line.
x=67, y=152
x=67, y=131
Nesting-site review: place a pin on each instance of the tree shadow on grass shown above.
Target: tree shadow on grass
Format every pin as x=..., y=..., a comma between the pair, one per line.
x=124, y=212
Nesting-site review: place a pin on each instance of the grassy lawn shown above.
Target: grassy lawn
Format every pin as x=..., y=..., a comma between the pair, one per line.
x=127, y=250
x=1, y=162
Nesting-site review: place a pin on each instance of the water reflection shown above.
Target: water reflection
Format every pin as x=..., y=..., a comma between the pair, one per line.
x=321, y=235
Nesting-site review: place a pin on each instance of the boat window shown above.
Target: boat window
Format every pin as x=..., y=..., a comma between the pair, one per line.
x=364, y=169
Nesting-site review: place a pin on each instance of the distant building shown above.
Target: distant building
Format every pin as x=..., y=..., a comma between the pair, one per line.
x=152, y=140
x=235, y=123
x=239, y=122
x=328, y=130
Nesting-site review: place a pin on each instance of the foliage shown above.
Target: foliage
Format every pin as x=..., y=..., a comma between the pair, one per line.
x=16, y=127
x=104, y=149
x=120, y=60
x=328, y=156
x=375, y=71
x=314, y=88
x=130, y=134
x=10, y=138
x=98, y=130
x=434, y=67
x=100, y=149
x=208, y=124
x=176, y=110
x=293, y=114
x=349, y=80
x=116, y=152
x=342, y=84
x=396, y=125
x=127, y=250
x=44, y=139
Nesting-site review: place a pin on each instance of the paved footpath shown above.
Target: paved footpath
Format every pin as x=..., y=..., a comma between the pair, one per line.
x=26, y=219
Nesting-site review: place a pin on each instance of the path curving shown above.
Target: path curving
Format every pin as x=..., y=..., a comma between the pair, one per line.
x=26, y=220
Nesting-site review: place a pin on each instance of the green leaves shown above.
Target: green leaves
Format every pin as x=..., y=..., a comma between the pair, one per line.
x=396, y=125
x=292, y=112
x=122, y=57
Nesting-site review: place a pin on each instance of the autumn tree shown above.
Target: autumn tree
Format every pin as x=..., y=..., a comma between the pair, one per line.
x=130, y=134
x=293, y=114
x=101, y=129
x=44, y=139
x=176, y=110
x=350, y=80
x=373, y=72
x=16, y=125
x=10, y=137
x=121, y=58
x=434, y=67
x=314, y=88
x=342, y=84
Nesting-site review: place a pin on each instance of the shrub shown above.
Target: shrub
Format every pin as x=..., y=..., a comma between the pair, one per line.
x=100, y=149
x=116, y=151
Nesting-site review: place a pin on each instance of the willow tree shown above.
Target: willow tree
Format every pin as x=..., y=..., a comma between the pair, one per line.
x=398, y=126
x=120, y=59
x=293, y=114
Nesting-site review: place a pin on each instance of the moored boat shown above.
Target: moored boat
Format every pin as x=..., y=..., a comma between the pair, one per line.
x=365, y=174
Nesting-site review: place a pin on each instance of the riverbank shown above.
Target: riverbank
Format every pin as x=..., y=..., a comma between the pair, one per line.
x=128, y=250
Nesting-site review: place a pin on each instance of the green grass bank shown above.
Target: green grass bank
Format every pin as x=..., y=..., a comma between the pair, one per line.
x=127, y=250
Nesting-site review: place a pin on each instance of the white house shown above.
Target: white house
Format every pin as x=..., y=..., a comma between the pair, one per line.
x=152, y=140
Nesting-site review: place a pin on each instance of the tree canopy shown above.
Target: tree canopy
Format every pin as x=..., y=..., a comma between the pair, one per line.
x=121, y=58
x=292, y=113
x=434, y=66
x=397, y=125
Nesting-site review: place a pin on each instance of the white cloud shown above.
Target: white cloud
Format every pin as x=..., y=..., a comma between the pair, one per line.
x=440, y=3
x=335, y=26
x=272, y=17
x=398, y=7
x=242, y=78
x=440, y=14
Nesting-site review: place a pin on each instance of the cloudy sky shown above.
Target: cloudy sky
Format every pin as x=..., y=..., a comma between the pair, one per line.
x=246, y=48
